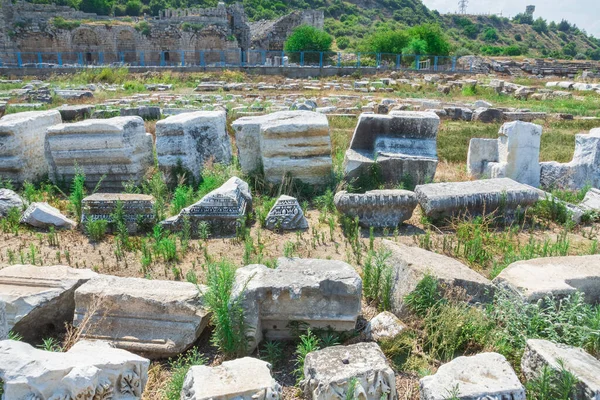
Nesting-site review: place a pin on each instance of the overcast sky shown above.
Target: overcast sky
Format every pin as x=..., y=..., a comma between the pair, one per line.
x=584, y=13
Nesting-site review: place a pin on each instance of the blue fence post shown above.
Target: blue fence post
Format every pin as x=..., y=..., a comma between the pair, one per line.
x=417, y=62
x=80, y=58
x=282, y=55
x=202, y=58
x=339, y=59
x=453, y=64
x=357, y=60
x=162, y=58
x=39, y=57
x=222, y=56
x=471, y=66
x=182, y=58
x=435, y=63
x=241, y=58
x=321, y=60
x=264, y=57
x=398, y=61
x=59, y=59
x=19, y=59
x=142, y=59
x=101, y=58
x=378, y=58
x=302, y=59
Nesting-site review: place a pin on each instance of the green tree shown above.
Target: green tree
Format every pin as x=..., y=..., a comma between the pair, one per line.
x=570, y=49
x=101, y=7
x=387, y=41
x=308, y=38
x=490, y=35
x=523, y=19
x=133, y=8
x=564, y=26
x=416, y=46
x=540, y=26
x=432, y=34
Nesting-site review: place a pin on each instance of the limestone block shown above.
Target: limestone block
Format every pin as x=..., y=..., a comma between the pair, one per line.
x=518, y=153
x=222, y=209
x=377, y=208
x=138, y=209
x=488, y=115
x=442, y=200
x=8, y=200
x=89, y=370
x=116, y=150
x=192, y=139
x=3, y=324
x=403, y=144
x=145, y=112
x=553, y=276
x=22, y=137
x=482, y=103
x=459, y=113
x=286, y=214
x=481, y=153
x=524, y=116
x=294, y=142
x=242, y=379
x=384, y=325
x=70, y=113
x=320, y=293
x=483, y=376
x=40, y=300
x=411, y=264
x=43, y=215
x=156, y=319
x=591, y=202
x=330, y=373
x=540, y=353
x=74, y=94
x=583, y=170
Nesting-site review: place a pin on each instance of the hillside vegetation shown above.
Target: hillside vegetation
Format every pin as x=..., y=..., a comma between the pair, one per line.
x=351, y=22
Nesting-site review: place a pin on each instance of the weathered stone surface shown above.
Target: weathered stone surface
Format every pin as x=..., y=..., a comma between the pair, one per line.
x=583, y=170
x=242, y=379
x=459, y=113
x=524, y=116
x=288, y=142
x=518, y=151
x=331, y=372
x=74, y=94
x=43, y=215
x=22, y=137
x=89, y=370
x=157, y=319
x=483, y=376
x=221, y=209
x=403, y=144
x=192, y=139
x=591, y=201
x=553, y=276
x=384, y=325
x=488, y=115
x=8, y=200
x=540, y=353
x=441, y=200
x=137, y=208
x=377, y=208
x=286, y=214
x=39, y=300
x=3, y=323
x=411, y=264
x=321, y=293
x=118, y=149
x=144, y=112
x=70, y=113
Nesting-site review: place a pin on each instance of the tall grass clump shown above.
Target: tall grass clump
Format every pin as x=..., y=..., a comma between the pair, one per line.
x=309, y=342
x=179, y=368
x=77, y=194
x=551, y=384
x=96, y=230
x=378, y=278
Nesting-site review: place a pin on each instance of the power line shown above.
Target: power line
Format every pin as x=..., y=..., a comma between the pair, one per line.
x=462, y=6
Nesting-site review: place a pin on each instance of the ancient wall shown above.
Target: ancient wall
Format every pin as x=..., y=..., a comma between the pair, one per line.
x=271, y=35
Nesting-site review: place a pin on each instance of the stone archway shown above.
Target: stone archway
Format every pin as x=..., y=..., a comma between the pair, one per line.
x=126, y=44
x=86, y=41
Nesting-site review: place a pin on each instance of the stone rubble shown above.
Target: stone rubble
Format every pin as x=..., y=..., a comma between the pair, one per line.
x=8, y=200
x=43, y=215
x=138, y=209
x=377, y=208
x=384, y=325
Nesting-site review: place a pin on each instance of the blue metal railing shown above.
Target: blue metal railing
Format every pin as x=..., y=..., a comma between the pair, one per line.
x=232, y=58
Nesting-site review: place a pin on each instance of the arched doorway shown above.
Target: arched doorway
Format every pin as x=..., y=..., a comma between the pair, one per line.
x=126, y=47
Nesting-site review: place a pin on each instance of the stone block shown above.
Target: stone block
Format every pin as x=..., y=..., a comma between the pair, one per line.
x=242, y=379
x=138, y=209
x=524, y=116
x=320, y=293
x=540, y=353
x=144, y=112
x=488, y=115
x=481, y=153
x=483, y=376
x=377, y=208
x=3, y=323
x=286, y=214
x=68, y=94
x=332, y=372
x=114, y=151
x=43, y=215
x=70, y=113
x=191, y=139
x=156, y=319
x=383, y=326
x=459, y=113
x=448, y=199
x=22, y=137
x=591, y=202
x=89, y=370
x=222, y=209
x=8, y=200
x=411, y=264
x=403, y=144
x=553, y=276
x=288, y=142
x=40, y=300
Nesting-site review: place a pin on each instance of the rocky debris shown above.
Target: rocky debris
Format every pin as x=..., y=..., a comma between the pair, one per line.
x=112, y=151
x=516, y=155
x=443, y=200
x=22, y=137
x=459, y=113
x=3, y=323
x=156, y=319
x=39, y=300
x=191, y=140
x=221, y=209
x=105, y=114
x=286, y=214
x=412, y=264
x=209, y=87
x=74, y=94
x=242, y=379
x=144, y=112
x=483, y=376
x=482, y=104
x=288, y=142
x=591, y=202
x=524, y=116
x=88, y=370
x=384, y=325
x=320, y=293
x=138, y=209
x=488, y=115
x=330, y=373
x=377, y=208
x=8, y=200
x=541, y=353
x=70, y=113
x=43, y=215
x=553, y=276
x=403, y=144
x=160, y=87
x=583, y=170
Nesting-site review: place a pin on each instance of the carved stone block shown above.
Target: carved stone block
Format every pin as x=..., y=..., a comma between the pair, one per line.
x=377, y=208
x=286, y=214
x=138, y=209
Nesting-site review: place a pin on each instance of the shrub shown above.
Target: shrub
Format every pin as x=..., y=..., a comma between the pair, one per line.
x=179, y=368
x=308, y=343
x=191, y=27
x=426, y=295
x=184, y=196
x=96, y=230
x=378, y=279
x=61, y=23
x=77, y=194
x=308, y=38
x=143, y=27
x=342, y=43
x=512, y=51
x=552, y=384
x=133, y=8
x=490, y=35
x=518, y=37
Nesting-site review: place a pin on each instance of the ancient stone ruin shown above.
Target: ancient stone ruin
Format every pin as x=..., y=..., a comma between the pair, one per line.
x=137, y=209
x=377, y=208
x=286, y=214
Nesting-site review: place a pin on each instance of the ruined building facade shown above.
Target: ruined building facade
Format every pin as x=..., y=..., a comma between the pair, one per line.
x=219, y=34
